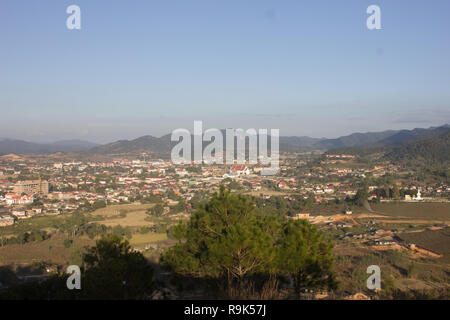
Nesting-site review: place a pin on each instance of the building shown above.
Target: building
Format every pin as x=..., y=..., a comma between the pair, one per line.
x=384, y=241
x=419, y=195
x=20, y=213
x=14, y=199
x=283, y=185
x=301, y=215
x=181, y=172
x=31, y=187
x=241, y=169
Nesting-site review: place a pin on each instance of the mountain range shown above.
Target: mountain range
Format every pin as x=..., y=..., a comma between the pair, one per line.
x=162, y=146
x=8, y=146
x=431, y=151
x=428, y=148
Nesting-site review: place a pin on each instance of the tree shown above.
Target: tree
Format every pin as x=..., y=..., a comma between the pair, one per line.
x=306, y=256
x=387, y=192
x=223, y=240
x=361, y=196
x=111, y=270
x=411, y=269
x=67, y=243
x=8, y=276
x=156, y=211
x=395, y=192
x=114, y=271
x=227, y=242
x=98, y=205
x=121, y=231
x=310, y=201
x=181, y=206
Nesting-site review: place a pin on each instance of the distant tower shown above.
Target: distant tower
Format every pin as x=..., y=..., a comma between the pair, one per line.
x=419, y=195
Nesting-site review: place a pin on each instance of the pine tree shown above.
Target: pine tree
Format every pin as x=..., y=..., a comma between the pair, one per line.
x=387, y=192
x=395, y=192
x=229, y=243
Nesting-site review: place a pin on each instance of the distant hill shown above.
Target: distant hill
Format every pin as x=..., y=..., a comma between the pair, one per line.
x=430, y=150
x=8, y=146
x=427, y=147
x=300, y=142
x=353, y=143
x=390, y=139
x=72, y=145
x=143, y=144
x=163, y=145
x=403, y=136
x=354, y=140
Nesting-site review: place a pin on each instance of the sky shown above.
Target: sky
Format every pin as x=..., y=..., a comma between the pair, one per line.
x=148, y=67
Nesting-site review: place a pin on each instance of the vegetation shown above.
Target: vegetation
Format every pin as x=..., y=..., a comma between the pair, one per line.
x=111, y=270
x=425, y=210
x=434, y=240
x=242, y=252
x=432, y=151
x=157, y=210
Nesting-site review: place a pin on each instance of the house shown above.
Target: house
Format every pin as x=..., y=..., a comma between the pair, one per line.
x=238, y=170
x=372, y=196
x=342, y=225
x=283, y=185
x=181, y=172
x=301, y=215
x=13, y=198
x=384, y=241
x=256, y=186
x=20, y=213
x=53, y=212
x=257, y=169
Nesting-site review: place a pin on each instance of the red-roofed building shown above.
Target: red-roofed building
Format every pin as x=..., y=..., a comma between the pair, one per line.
x=242, y=169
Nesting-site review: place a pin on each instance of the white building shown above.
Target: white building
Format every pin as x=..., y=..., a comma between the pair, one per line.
x=238, y=170
x=418, y=196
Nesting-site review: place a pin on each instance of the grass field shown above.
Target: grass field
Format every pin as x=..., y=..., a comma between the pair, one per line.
x=434, y=240
x=398, y=269
x=347, y=164
x=126, y=215
x=266, y=193
x=332, y=209
x=35, y=223
x=112, y=211
x=140, y=239
x=423, y=210
x=51, y=250
x=133, y=219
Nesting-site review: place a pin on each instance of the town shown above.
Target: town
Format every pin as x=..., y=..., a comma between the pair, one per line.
x=120, y=181
x=375, y=209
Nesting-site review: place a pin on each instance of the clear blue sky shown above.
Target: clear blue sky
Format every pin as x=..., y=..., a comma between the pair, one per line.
x=148, y=67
